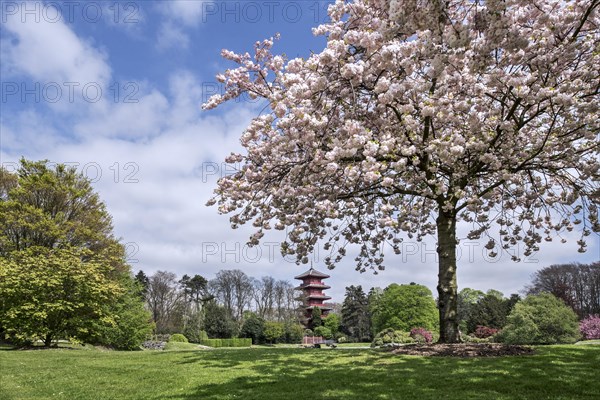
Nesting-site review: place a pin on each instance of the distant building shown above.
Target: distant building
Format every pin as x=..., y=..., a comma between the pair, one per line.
x=312, y=288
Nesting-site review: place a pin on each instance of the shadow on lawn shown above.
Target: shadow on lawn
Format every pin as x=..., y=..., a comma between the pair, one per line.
x=557, y=373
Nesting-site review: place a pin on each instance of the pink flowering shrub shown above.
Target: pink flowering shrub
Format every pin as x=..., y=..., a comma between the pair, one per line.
x=421, y=335
x=590, y=327
x=483, y=332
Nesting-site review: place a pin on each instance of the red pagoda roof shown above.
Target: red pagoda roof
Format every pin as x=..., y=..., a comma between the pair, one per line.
x=312, y=272
x=313, y=286
x=318, y=296
x=323, y=307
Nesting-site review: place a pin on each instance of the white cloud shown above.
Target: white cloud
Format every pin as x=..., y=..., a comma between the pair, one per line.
x=184, y=12
x=179, y=15
x=171, y=36
x=51, y=52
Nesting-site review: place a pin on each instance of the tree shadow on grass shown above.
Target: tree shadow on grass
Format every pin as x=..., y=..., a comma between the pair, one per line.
x=557, y=373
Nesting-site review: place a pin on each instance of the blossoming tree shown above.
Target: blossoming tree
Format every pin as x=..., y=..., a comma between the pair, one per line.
x=416, y=116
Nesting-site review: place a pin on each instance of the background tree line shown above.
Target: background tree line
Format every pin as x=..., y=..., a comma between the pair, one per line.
x=230, y=305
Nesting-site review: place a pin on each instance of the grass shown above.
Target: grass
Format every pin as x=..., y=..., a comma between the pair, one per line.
x=555, y=372
x=363, y=344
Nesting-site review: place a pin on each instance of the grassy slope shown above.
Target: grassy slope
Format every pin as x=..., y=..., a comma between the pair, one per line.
x=558, y=372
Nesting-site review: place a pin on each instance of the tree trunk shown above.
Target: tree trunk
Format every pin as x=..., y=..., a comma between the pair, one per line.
x=48, y=340
x=447, y=288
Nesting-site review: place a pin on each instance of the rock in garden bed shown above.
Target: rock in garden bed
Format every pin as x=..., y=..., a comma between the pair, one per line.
x=464, y=350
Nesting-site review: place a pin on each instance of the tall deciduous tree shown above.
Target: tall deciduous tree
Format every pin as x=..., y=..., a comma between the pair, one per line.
x=419, y=115
x=62, y=272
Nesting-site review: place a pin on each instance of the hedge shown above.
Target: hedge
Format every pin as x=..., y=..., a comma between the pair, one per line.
x=235, y=342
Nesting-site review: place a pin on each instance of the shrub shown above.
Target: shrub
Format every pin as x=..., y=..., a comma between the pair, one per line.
x=323, y=331
x=293, y=333
x=540, y=319
x=473, y=339
x=178, y=337
x=483, y=332
x=235, y=342
x=590, y=327
x=253, y=328
x=342, y=339
x=273, y=331
x=421, y=335
x=202, y=336
x=391, y=336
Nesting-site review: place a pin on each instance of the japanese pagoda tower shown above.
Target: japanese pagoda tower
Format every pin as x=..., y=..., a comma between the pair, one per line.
x=312, y=286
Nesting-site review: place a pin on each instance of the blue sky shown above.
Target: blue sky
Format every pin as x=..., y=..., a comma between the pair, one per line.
x=115, y=89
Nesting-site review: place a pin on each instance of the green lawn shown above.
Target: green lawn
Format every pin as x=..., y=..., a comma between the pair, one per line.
x=556, y=372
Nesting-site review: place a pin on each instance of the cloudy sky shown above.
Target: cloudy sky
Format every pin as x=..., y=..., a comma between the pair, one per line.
x=115, y=88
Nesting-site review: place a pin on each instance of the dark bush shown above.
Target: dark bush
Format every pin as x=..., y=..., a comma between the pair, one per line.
x=483, y=332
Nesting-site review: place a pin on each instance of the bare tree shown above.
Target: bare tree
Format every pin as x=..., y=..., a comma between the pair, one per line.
x=163, y=299
x=264, y=291
x=576, y=284
x=234, y=289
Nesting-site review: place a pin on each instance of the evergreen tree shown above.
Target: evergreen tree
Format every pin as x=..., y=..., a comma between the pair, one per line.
x=356, y=318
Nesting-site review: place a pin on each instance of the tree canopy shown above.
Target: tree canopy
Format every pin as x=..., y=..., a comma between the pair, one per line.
x=416, y=116
x=404, y=307
x=62, y=272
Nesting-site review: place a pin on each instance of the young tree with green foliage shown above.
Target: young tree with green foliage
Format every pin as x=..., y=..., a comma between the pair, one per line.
x=332, y=322
x=273, y=331
x=541, y=319
x=403, y=307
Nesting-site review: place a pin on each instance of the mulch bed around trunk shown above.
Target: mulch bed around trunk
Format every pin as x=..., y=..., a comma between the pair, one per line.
x=464, y=350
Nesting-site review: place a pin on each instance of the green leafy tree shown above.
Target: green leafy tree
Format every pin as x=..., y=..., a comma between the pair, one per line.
x=218, y=322
x=541, y=319
x=129, y=323
x=467, y=298
x=253, y=327
x=356, y=317
x=332, y=322
x=273, y=331
x=316, y=318
x=293, y=332
x=491, y=310
x=53, y=208
x=323, y=331
x=403, y=307
x=64, y=274
x=49, y=294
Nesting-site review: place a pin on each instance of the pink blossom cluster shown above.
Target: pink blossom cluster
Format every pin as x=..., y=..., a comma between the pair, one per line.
x=486, y=112
x=421, y=335
x=483, y=332
x=590, y=327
